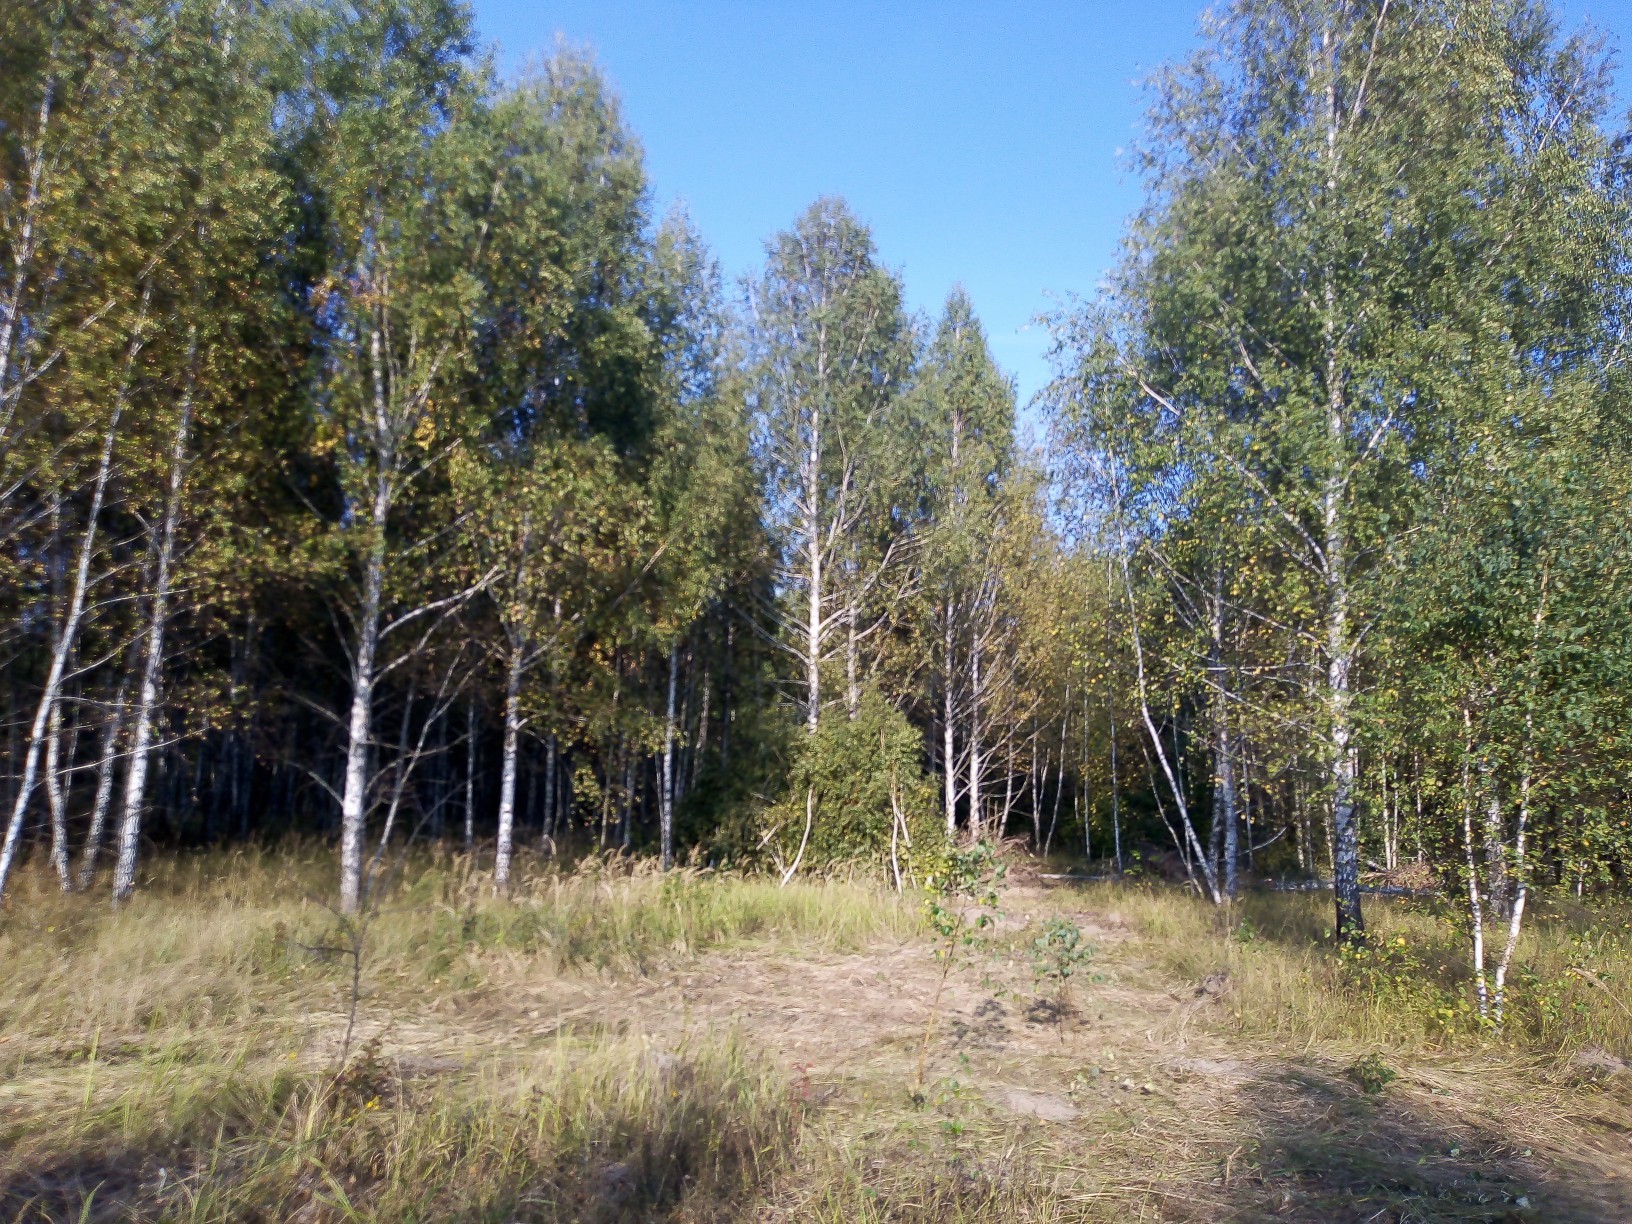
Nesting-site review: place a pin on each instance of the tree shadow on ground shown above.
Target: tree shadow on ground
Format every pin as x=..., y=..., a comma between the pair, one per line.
x=1316, y=1148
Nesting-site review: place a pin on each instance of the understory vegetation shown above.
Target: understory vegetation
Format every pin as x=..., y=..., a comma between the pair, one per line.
x=1406, y=987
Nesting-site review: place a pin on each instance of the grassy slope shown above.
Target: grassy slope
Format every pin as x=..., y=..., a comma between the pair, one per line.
x=621, y=1046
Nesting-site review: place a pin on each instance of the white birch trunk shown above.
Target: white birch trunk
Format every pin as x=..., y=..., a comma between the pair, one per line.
x=505, y=846
x=55, y=800
x=1476, y=912
x=359, y=726
x=66, y=640
x=666, y=808
x=470, y=775
x=1515, y=918
x=360, y=723
x=111, y=735
x=949, y=759
x=976, y=820
x=147, y=697
x=1116, y=796
x=1008, y=786
x=1345, y=840
x=813, y=545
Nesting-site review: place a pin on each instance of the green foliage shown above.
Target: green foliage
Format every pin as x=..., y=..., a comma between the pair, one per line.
x=1372, y=1074
x=859, y=785
x=1059, y=953
x=1390, y=972
x=965, y=877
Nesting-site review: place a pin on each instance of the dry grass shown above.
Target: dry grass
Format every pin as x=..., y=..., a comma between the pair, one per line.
x=227, y=942
x=612, y=1044
x=599, y=1131
x=1570, y=987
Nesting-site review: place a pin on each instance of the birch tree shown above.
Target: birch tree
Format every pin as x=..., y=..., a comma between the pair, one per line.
x=967, y=415
x=830, y=353
x=396, y=310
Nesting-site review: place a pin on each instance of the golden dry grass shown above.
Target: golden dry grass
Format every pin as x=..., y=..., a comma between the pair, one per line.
x=613, y=1044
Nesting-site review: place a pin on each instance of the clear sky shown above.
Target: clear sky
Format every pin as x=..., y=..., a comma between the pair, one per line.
x=983, y=142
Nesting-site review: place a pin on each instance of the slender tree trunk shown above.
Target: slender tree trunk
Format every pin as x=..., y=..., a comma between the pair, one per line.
x=550, y=783
x=1226, y=780
x=1008, y=786
x=701, y=747
x=1215, y=834
x=505, y=846
x=1521, y=874
x=666, y=813
x=111, y=735
x=1223, y=841
x=609, y=774
x=470, y=775
x=1039, y=776
x=399, y=780
x=1476, y=911
x=1054, y=816
x=68, y=637
x=625, y=832
x=552, y=790
x=56, y=801
x=1087, y=793
x=1116, y=795
x=813, y=544
x=682, y=723
x=1521, y=862
x=1495, y=850
x=1345, y=814
x=360, y=724
x=949, y=767
x=23, y=248
x=728, y=673
x=1169, y=768
x=147, y=695
x=1339, y=637
x=976, y=816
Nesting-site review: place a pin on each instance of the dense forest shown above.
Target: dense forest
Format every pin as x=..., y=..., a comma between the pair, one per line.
x=376, y=465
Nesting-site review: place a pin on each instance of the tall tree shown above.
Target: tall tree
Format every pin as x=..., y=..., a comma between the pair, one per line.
x=830, y=349
x=967, y=415
x=395, y=310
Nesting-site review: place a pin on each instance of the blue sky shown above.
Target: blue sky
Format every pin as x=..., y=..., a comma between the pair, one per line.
x=984, y=143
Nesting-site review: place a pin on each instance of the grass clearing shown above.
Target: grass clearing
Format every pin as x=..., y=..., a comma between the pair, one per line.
x=611, y=1044
x=1570, y=988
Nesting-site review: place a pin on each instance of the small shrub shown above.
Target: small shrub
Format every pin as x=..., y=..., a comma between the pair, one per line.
x=1372, y=1074
x=1058, y=955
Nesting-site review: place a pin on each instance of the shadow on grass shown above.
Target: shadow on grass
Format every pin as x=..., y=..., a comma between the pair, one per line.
x=648, y=1178
x=1324, y=1151
x=621, y=1136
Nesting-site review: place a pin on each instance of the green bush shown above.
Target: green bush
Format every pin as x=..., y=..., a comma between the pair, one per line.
x=846, y=786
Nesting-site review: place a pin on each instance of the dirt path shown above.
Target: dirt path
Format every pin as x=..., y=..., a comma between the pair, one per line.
x=1141, y=1105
